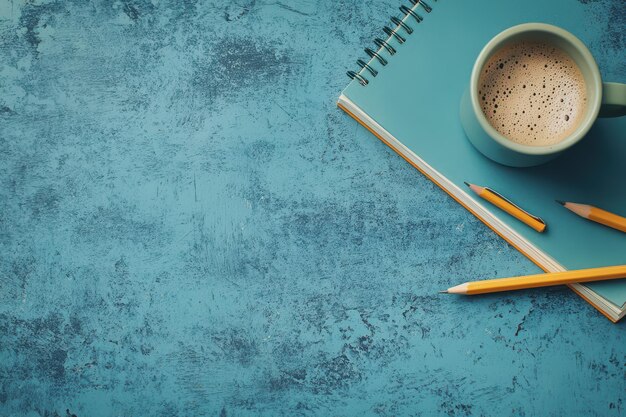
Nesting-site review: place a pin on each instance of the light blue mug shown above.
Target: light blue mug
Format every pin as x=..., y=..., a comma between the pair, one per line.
x=603, y=99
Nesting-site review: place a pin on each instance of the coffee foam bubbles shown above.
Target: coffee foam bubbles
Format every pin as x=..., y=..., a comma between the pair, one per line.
x=532, y=93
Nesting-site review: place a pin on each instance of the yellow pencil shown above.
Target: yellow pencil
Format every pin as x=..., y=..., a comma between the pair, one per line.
x=597, y=215
x=502, y=203
x=539, y=280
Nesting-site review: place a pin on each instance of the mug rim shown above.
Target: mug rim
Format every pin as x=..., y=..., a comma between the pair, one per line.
x=568, y=37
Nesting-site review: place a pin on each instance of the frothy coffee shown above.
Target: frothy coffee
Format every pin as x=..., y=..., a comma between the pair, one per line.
x=532, y=93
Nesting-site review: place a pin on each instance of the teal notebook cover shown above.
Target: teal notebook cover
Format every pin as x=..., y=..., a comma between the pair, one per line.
x=416, y=99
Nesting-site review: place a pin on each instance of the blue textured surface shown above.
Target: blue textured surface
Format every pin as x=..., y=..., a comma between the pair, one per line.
x=189, y=226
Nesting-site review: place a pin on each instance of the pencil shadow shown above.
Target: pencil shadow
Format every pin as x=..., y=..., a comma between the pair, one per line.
x=516, y=295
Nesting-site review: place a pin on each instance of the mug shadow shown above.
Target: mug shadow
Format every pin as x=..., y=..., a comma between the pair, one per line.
x=589, y=168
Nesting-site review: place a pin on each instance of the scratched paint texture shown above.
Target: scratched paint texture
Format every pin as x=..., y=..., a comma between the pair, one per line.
x=190, y=227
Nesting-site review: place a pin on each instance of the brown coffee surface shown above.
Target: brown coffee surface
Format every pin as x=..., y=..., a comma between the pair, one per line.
x=532, y=93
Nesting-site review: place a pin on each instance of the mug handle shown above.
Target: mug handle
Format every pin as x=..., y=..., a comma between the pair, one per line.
x=613, y=100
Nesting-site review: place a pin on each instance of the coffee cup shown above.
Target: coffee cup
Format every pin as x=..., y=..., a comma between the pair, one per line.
x=535, y=91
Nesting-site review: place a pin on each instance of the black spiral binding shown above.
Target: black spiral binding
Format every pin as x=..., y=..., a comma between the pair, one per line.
x=398, y=24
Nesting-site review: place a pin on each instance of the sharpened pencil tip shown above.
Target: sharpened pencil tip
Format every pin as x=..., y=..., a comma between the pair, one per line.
x=466, y=183
x=443, y=292
x=560, y=202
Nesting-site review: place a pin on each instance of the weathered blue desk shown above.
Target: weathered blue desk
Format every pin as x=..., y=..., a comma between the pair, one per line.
x=190, y=227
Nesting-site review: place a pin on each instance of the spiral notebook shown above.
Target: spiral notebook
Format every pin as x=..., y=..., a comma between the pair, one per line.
x=407, y=93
